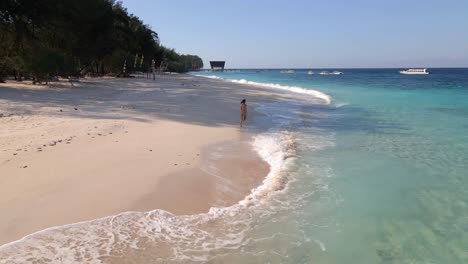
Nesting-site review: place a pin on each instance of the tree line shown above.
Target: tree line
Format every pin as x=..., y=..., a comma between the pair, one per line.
x=40, y=39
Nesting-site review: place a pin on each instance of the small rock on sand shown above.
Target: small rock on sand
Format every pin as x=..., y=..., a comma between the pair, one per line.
x=24, y=166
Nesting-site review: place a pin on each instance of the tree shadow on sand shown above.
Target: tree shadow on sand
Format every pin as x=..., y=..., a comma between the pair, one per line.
x=183, y=98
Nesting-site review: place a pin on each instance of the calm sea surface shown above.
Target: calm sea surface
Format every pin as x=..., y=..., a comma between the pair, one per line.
x=381, y=174
x=366, y=167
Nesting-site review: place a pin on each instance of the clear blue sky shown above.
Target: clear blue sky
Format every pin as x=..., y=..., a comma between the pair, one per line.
x=312, y=34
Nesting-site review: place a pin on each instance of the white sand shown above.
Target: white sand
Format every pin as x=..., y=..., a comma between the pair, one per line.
x=131, y=144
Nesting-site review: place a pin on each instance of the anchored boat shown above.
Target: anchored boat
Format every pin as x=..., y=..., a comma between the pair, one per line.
x=415, y=71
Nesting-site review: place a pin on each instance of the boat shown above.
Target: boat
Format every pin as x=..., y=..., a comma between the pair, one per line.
x=288, y=71
x=324, y=73
x=336, y=73
x=310, y=72
x=414, y=71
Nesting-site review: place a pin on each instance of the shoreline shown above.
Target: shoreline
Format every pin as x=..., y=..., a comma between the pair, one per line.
x=145, y=199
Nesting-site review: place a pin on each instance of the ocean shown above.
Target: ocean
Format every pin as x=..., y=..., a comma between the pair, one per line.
x=381, y=169
x=366, y=167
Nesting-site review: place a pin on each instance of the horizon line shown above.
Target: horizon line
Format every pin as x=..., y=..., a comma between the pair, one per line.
x=302, y=68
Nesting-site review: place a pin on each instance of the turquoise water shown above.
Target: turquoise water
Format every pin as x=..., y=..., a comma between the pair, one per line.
x=366, y=167
x=381, y=174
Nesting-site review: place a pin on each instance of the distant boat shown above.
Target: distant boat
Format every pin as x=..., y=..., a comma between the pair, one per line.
x=324, y=73
x=310, y=72
x=288, y=71
x=336, y=73
x=415, y=71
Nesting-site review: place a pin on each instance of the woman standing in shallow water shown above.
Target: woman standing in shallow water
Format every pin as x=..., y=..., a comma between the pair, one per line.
x=243, y=109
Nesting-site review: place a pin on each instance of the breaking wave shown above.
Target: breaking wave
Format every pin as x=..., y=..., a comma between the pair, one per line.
x=159, y=234
x=295, y=89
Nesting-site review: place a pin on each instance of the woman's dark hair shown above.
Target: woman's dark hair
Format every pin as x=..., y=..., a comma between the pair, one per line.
x=243, y=101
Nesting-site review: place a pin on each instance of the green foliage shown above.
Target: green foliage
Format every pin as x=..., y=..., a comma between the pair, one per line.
x=192, y=62
x=46, y=62
x=43, y=38
x=176, y=66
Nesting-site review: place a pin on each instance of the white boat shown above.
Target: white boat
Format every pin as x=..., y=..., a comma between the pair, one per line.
x=336, y=73
x=310, y=72
x=415, y=71
x=288, y=71
x=324, y=73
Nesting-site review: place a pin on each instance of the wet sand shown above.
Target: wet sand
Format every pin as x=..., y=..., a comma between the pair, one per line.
x=105, y=146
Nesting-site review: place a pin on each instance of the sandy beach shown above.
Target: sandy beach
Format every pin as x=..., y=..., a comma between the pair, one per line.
x=105, y=146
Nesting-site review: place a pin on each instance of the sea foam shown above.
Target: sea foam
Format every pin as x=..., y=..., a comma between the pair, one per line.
x=209, y=76
x=174, y=238
x=295, y=89
x=278, y=150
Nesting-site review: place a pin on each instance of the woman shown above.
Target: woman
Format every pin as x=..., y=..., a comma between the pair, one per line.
x=243, y=109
